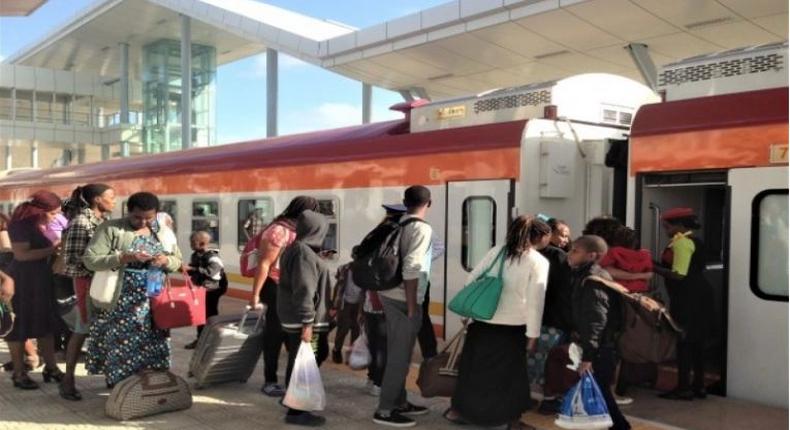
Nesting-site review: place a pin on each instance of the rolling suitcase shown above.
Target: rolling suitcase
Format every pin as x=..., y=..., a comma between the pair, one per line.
x=228, y=349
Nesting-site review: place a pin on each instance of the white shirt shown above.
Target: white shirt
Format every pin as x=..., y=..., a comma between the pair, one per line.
x=523, y=290
x=415, y=247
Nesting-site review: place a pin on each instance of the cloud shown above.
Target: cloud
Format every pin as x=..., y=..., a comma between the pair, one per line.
x=285, y=62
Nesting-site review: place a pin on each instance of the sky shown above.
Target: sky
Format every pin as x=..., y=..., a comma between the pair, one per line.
x=311, y=98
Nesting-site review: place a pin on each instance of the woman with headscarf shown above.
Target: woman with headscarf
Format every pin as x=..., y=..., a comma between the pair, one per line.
x=33, y=301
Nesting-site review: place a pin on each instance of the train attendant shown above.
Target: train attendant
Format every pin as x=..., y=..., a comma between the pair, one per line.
x=124, y=340
x=274, y=239
x=86, y=209
x=690, y=295
x=492, y=385
x=33, y=301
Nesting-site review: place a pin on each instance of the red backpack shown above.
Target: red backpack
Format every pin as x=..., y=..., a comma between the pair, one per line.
x=250, y=256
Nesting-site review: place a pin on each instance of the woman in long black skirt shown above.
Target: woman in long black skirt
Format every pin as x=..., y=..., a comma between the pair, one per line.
x=493, y=387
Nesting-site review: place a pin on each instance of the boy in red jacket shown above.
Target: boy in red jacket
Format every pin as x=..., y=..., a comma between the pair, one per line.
x=630, y=266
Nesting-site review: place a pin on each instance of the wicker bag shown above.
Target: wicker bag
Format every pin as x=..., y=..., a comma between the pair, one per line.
x=438, y=375
x=150, y=392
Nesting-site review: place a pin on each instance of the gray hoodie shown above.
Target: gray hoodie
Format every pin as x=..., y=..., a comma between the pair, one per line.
x=304, y=294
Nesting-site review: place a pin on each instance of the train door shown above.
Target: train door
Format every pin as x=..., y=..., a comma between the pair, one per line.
x=705, y=193
x=477, y=215
x=757, y=334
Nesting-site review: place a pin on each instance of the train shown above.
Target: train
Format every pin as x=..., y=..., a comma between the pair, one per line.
x=567, y=149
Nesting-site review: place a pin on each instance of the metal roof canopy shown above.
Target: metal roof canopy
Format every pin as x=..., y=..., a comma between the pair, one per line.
x=460, y=47
x=19, y=7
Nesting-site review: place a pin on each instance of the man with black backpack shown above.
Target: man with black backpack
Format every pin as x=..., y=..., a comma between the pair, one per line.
x=410, y=253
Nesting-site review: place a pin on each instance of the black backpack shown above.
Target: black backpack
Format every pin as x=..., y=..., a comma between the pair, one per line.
x=377, y=262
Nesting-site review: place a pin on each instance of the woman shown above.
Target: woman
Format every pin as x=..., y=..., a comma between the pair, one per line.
x=560, y=234
x=86, y=209
x=690, y=295
x=275, y=238
x=33, y=301
x=124, y=339
x=6, y=253
x=492, y=385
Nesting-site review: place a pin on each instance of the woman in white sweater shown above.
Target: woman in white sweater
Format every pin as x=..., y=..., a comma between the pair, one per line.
x=493, y=387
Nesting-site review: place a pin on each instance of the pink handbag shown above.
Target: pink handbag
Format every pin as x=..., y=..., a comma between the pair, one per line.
x=179, y=306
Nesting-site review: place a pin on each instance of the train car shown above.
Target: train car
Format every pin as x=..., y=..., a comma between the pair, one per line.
x=485, y=159
x=719, y=145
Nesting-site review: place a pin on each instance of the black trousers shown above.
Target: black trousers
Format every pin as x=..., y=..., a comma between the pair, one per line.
x=604, y=365
x=376, y=331
x=691, y=355
x=274, y=338
x=212, y=304
x=347, y=321
x=427, y=337
x=320, y=345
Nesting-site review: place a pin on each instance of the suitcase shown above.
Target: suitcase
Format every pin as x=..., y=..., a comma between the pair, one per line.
x=150, y=392
x=228, y=349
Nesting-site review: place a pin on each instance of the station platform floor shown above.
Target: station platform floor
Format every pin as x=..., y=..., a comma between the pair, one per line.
x=241, y=406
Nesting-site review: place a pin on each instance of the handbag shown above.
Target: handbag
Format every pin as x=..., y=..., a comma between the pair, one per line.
x=150, y=392
x=439, y=374
x=179, y=306
x=6, y=318
x=104, y=286
x=480, y=299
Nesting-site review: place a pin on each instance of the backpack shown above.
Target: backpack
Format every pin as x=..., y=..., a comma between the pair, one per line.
x=377, y=263
x=649, y=334
x=248, y=261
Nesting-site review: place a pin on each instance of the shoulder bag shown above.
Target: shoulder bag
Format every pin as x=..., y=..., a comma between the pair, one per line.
x=179, y=306
x=480, y=299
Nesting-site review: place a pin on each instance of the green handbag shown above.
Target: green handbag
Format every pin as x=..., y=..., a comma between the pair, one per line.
x=480, y=299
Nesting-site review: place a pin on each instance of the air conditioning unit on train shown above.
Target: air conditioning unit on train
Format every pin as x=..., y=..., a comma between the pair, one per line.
x=738, y=70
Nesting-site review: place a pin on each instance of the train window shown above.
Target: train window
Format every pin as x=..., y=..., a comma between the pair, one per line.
x=478, y=223
x=205, y=216
x=253, y=215
x=169, y=207
x=769, y=266
x=329, y=208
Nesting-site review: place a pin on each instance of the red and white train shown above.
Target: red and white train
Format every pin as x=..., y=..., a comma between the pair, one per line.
x=487, y=158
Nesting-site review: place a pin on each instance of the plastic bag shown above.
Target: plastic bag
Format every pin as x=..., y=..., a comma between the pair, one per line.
x=575, y=354
x=360, y=353
x=305, y=389
x=584, y=407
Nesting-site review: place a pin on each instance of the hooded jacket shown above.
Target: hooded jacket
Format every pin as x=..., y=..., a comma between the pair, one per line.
x=304, y=294
x=597, y=311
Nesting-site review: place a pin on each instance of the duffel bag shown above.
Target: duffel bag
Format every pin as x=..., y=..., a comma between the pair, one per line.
x=438, y=375
x=150, y=392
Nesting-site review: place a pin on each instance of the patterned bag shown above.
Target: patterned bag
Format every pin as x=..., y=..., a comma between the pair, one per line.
x=150, y=392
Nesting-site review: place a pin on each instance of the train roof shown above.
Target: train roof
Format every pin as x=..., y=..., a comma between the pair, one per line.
x=378, y=140
x=714, y=112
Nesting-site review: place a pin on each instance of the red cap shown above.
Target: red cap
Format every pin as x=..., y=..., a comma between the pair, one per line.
x=675, y=213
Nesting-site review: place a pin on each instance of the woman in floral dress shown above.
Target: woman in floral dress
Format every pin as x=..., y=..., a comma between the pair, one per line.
x=124, y=337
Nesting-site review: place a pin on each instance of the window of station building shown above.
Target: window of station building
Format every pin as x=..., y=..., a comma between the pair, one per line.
x=43, y=107
x=253, y=216
x=768, y=274
x=6, y=103
x=24, y=105
x=61, y=109
x=329, y=207
x=478, y=223
x=205, y=216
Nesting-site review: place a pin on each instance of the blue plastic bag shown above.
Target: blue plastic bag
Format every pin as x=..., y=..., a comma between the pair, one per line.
x=155, y=282
x=584, y=407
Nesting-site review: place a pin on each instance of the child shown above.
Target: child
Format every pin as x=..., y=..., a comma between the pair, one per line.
x=206, y=270
x=630, y=266
x=346, y=303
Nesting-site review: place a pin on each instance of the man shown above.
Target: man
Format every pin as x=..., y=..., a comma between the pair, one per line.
x=254, y=223
x=597, y=316
x=403, y=313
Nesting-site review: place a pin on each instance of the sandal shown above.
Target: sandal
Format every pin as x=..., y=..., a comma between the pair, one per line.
x=70, y=393
x=457, y=420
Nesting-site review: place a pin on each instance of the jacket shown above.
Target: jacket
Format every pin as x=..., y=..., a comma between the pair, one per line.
x=304, y=294
x=557, y=311
x=632, y=261
x=597, y=311
x=207, y=270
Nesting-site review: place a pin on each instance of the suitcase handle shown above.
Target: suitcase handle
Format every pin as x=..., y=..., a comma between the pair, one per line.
x=146, y=376
x=247, y=311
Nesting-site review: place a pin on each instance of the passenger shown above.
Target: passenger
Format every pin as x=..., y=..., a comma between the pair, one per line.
x=124, y=339
x=206, y=270
x=597, y=313
x=402, y=311
x=602, y=226
x=427, y=336
x=254, y=223
x=557, y=314
x=86, y=209
x=630, y=266
x=346, y=303
x=492, y=387
x=6, y=253
x=303, y=300
x=277, y=235
x=33, y=304
x=690, y=295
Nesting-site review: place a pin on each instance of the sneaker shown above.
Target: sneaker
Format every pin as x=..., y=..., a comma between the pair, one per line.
x=337, y=356
x=550, y=407
x=374, y=390
x=272, y=389
x=394, y=420
x=305, y=419
x=412, y=410
x=191, y=345
x=623, y=400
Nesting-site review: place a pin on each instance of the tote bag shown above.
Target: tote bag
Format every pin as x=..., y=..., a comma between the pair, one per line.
x=179, y=306
x=480, y=299
x=103, y=287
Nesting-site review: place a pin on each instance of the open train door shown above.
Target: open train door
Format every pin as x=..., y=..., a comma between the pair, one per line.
x=477, y=218
x=757, y=354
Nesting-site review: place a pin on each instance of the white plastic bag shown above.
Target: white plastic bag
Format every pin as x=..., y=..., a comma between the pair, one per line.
x=305, y=389
x=575, y=354
x=360, y=353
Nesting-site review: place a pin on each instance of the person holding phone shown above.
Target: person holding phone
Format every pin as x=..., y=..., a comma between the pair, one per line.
x=124, y=338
